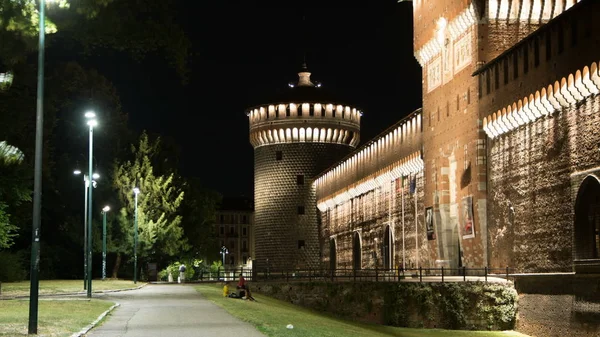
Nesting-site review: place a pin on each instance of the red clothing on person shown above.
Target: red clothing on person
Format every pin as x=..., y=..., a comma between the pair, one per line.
x=242, y=282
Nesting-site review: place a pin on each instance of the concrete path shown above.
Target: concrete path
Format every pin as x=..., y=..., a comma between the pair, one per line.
x=168, y=310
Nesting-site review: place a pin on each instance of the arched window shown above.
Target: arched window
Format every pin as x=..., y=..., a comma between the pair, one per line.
x=356, y=252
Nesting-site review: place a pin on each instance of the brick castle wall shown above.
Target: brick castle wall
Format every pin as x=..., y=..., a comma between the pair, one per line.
x=534, y=170
x=369, y=215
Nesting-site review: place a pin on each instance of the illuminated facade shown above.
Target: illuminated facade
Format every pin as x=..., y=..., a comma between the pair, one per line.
x=501, y=166
x=295, y=137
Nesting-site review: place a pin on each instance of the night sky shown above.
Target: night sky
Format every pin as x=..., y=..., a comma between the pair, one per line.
x=244, y=52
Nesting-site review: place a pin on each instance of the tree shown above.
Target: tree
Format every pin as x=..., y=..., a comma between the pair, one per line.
x=13, y=190
x=199, y=215
x=160, y=234
x=94, y=25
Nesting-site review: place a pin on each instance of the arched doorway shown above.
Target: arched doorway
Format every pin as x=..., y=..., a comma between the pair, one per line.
x=332, y=255
x=587, y=226
x=356, y=252
x=388, y=249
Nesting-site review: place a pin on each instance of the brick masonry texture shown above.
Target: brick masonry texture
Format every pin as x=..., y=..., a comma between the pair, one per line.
x=368, y=216
x=278, y=226
x=558, y=305
x=534, y=170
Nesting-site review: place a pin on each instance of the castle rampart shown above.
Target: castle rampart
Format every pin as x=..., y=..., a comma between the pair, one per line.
x=397, y=146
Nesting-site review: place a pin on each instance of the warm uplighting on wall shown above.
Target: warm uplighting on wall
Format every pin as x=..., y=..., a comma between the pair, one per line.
x=407, y=166
x=528, y=9
x=564, y=93
x=456, y=27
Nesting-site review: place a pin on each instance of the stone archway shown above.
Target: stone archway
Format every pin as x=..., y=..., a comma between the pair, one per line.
x=332, y=255
x=356, y=252
x=587, y=226
x=388, y=249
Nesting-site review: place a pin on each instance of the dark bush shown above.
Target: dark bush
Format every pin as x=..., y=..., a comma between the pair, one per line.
x=12, y=268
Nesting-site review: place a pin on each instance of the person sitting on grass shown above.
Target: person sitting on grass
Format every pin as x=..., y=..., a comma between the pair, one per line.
x=242, y=282
x=226, y=289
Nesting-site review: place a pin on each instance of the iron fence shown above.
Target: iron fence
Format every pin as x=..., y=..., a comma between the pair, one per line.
x=441, y=274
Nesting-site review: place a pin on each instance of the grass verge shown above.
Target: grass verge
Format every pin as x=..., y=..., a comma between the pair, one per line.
x=53, y=287
x=55, y=317
x=271, y=317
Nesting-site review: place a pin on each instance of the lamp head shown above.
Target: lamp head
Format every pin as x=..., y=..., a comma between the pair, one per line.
x=92, y=122
x=106, y=209
x=136, y=190
x=90, y=114
x=95, y=176
x=77, y=172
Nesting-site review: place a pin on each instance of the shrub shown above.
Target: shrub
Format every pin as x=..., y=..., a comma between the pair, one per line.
x=12, y=267
x=173, y=269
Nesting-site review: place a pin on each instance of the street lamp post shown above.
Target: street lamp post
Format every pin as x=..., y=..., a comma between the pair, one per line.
x=136, y=191
x=91, y=123
x=224, y=251
x=86, y=183
x=104, y=211
x=37, y=178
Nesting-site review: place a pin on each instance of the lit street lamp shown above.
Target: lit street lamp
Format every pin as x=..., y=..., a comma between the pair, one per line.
x=224, y=251
x=136, y=191
x=37, y=179
x=86, y=183
x=104, y=211
x=91, y=123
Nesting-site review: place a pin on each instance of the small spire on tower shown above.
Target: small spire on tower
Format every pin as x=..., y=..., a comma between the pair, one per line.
x=304, y=77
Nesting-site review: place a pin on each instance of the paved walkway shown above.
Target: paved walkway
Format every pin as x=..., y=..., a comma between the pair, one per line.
x=168, y=310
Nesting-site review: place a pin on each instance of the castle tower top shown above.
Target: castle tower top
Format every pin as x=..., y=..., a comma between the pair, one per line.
x=304, y=113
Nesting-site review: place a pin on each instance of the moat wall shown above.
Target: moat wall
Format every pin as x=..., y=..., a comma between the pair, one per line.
x=461, y=305
x=553, y=305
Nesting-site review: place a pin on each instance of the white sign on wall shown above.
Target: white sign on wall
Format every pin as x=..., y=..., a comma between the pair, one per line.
x=434, y=74
x=462, y=52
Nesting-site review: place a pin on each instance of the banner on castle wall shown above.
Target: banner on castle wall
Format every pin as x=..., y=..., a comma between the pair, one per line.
x=468, y=225
x=429, y=223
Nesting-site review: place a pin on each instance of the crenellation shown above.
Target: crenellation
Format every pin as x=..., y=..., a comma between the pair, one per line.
x=291, y=111
x=537, y=56
x=390, y=147
x=528, y=10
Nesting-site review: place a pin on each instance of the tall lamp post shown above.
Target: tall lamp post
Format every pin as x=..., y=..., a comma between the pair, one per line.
x=104, y=211
x=86, y=183
x=37, y=178
x=136, y=191
x=224, y=251
x=91, y=122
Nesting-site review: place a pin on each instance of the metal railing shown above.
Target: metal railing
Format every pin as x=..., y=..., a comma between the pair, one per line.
x=226, y=274
x=441, y=274
x=420, y=274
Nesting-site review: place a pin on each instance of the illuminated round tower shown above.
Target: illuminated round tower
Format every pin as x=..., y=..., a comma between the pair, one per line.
x=295, y=137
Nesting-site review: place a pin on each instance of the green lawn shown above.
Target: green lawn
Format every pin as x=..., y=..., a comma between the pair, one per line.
x=55, y=317
x=271, y=316
x=50, y=287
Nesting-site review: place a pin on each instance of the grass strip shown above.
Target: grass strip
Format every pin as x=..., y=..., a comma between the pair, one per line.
x=55, y=317
x=54, y=287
